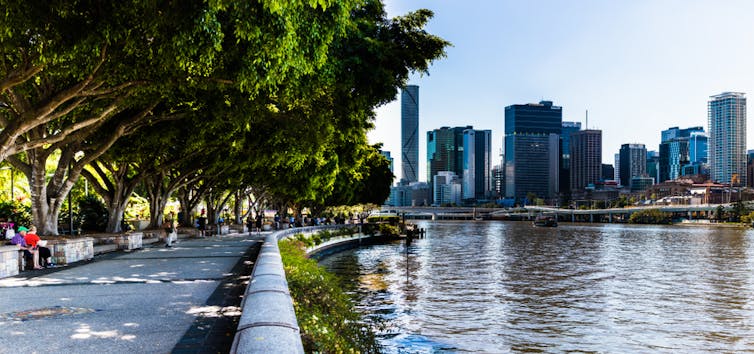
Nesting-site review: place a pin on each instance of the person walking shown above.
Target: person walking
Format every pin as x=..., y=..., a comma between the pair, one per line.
x=170, y=229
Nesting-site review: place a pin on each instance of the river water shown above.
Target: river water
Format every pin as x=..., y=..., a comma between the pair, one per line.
x=495, y=287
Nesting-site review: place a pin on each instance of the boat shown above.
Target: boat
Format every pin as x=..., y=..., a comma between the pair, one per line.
x=546, y=221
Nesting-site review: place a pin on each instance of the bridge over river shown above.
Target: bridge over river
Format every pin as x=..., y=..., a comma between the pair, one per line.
x=690, y=212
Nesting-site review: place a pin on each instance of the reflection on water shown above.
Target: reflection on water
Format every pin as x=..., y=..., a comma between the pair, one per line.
x=500, y=287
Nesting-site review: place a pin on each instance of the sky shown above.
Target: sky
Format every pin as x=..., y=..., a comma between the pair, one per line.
x=637, y=66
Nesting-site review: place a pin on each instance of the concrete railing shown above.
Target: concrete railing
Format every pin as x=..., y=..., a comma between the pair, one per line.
x=268, y=321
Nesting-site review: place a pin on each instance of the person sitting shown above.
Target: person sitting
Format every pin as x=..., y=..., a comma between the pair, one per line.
x=29, y=252
x=45, y=255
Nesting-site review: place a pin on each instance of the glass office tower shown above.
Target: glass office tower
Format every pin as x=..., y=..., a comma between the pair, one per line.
x=410, y=133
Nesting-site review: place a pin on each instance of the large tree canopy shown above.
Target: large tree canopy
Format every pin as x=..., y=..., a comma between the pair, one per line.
x=284, y=91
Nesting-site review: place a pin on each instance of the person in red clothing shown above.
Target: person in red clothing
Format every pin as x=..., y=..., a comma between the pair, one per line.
x=32, y=240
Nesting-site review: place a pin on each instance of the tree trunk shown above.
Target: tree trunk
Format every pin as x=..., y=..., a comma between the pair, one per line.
x=46, y=198
x=115, y=218
x=238, y=208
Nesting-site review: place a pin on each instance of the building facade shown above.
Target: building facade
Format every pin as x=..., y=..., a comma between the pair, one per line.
x=389, y=159
x=726, y=114
x=675, y=151
x=447, y=188
x=608, y=172
x=477, y=165
x=586, y=158
x=410, y=133
x=532, y=150
x=633, y=163
x=567, y=129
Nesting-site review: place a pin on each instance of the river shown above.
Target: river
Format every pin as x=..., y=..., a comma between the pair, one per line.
x=496, y=287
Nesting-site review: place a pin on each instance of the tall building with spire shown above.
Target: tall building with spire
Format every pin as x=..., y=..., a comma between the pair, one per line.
x=726, y=114
x=410, y=133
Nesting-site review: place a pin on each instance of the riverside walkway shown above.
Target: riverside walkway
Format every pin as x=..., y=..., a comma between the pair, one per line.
x=154, y=300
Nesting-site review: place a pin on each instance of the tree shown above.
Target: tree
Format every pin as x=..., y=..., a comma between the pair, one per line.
x=71, y=67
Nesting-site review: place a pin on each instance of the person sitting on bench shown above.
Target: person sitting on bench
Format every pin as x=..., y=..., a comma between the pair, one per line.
x=28, y=250
x=33, y=241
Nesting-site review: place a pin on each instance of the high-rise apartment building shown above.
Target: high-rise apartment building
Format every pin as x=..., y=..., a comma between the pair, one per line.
x=633, y=163
x=586, y=158
x=726, y=115
x=410, y=133
x=532, y=149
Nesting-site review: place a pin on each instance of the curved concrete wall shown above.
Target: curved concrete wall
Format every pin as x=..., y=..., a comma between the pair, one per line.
x=268, y=322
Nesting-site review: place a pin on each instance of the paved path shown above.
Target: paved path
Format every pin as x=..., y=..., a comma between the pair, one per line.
x=155, y=300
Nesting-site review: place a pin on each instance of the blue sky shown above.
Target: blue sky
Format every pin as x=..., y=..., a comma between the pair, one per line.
x=638, y=66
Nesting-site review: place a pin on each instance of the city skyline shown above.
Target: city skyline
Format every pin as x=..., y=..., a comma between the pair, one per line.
x=638, y=67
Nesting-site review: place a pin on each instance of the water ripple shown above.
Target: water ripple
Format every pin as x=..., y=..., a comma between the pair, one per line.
x=501, y=287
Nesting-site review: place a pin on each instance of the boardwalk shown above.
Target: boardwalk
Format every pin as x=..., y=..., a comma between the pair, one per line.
x=156, y=300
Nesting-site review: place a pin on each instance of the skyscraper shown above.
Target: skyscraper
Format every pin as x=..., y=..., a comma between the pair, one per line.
x=568, y=128
x=477, y=148
x=633, y=162
x=532, y=149
x=464, y=151
x=445, y=151
x=726, y=114
x=586, y=158
x=410, y=133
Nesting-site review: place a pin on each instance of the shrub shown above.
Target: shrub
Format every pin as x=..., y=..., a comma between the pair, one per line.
x=389, y=230
x=326, y=314
x=384, y=218
x=19, y=213
x=650, y=216
x=93, y=213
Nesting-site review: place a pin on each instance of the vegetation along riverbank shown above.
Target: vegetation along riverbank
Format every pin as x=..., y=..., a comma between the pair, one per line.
x=326, y=314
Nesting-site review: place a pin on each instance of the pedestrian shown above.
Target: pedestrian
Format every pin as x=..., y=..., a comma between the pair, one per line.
x=201, y=225
x=170, y=228
x=259, y=222
x=29, y=252
x=250, y=224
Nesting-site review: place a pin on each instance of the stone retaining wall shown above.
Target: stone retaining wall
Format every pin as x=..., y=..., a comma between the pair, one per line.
x=73, y=250
x=268, y=321
x=8, y=261
x=130, y=241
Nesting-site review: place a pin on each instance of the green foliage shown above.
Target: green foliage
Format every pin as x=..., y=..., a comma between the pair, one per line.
x=391, y=219
x=389, y=230
x=748, y=218
x=326, y=314
x=19, y=213
x=93, y=214
x=650, y=216
x=720, y=213
x=739, y=210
